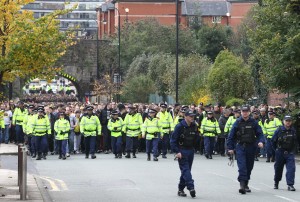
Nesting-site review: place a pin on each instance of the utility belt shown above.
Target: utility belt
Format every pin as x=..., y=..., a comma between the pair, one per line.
x=286, y=151
x=64, y=133
x=154, y=134
x=89, y=130
x=19, y=122
x=165, y=127
x=116, y=131
x=245, y=144
x=42, y=132
x=185, y=147
x=133, y=129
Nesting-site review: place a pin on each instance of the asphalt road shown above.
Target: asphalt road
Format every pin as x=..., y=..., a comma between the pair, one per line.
x=107, y=179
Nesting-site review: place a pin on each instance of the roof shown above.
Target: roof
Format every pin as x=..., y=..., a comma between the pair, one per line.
x=205, y=7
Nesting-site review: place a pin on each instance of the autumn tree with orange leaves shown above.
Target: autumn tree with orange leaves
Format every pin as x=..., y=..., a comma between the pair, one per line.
x=29, y=46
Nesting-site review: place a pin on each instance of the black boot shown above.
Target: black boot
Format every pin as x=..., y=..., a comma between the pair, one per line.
x=128, y=155
x=39, y=157
x=164, y=156
x=256, y=159
x=273, y=159
x=148, y=157
x=44, y=156
x=247, y=189
x=276, y=185
x=207, y=156
x=268, y=160
x=116, y=156
x=133, y=155
x=210, y=157
x=86, y=156
x=59, y=157
x=155, y=158
x=291, y=188
x=193, y=193
x=181, y=193
x=242, y=187
x=63, y=157
x=33, y=155
x=93, y=156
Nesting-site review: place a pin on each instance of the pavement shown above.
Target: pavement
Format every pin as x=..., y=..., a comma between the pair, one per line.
x=113, y=180
x=9, y=189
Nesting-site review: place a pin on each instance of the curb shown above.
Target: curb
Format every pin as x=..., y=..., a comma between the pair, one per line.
x=45, y=194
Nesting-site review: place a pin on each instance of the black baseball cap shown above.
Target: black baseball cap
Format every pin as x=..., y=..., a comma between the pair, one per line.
x=189, y=113
x=287, y=118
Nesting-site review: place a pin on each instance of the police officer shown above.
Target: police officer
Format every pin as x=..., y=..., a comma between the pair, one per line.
x=152, y=129
x=62, y=129
x=132, y=127
x=17, y=120
x=28, y=136
x=180, y=116
x=166, y=121
x=284, y=141
x=115, y=125
x=90, y=126
x=40, y=128
x=182, y=143
x=209, y=129
x=247, y=133
x=270, y=126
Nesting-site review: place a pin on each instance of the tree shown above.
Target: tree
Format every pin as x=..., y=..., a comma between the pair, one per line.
x=137, y=89
x=276, y=44
x=212, y=40
x=29, y=46
x=150, y=37
x=230, y=78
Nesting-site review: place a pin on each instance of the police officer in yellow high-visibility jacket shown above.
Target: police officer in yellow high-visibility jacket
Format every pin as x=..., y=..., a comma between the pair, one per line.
x=167, y=125
x=115, y=125
x=270, y=126
x=231, y=120
x=27, y=135
x=209, y=128
x=132, y=127
x=62, y=128
x=90, y=126
x=17, y=120
x=152, y=129
x=40, y=128
x=180, y=116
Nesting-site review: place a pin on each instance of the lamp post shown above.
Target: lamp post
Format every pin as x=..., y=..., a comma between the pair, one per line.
x=177, y=44
x=228, y=15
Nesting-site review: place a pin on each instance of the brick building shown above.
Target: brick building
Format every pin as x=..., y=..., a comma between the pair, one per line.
x=225, y=12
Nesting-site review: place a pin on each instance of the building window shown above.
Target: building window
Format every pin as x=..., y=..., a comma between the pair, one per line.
x=216, y=19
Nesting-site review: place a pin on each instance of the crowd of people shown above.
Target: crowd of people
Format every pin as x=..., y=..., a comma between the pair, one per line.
x=126, y=129
x=49, y=98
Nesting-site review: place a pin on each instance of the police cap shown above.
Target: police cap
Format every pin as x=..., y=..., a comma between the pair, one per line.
x=163, y=105
x=40, y=110
x=189, y=113
x=271, y=113
x=209, y=112
x=89, y=108
x=287, y=118
x=31, y=106
x=152, y=111
x=114, y=112
x=245, y=108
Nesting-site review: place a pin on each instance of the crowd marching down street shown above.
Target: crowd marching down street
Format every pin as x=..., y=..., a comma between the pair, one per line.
x=252, y=133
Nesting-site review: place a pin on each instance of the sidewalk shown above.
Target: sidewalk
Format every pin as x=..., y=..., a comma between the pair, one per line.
x=9, y=190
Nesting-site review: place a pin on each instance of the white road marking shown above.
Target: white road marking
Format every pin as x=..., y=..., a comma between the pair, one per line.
x=267, y=185
x=285, y=198
x=232, y=180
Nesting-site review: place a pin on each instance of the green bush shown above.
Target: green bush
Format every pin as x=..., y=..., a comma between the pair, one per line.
x=235, y=102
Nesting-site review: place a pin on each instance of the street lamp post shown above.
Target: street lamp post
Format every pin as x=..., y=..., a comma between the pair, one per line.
x=177, y=44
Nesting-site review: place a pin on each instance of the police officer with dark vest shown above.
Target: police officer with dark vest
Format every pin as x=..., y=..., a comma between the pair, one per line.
x=248, y=135
x=284, y=142
x=183, y=143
